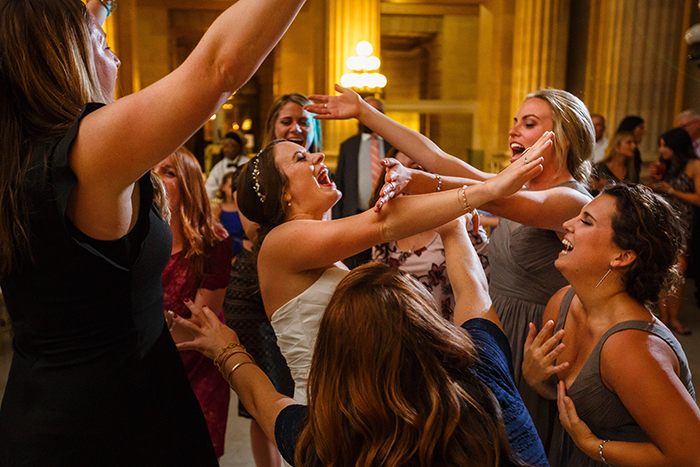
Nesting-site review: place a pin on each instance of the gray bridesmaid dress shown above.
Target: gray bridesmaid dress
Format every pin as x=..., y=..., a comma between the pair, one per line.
x=523, y=279
x=599, y=407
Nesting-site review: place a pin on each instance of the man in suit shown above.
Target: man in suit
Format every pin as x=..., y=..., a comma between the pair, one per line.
x=232, y=147
x=357, y=173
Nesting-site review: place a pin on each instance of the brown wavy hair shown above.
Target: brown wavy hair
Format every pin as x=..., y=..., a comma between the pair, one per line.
x=202, y=229
x=273, y=183
x=390, y=382
x=47, y=74
x=648, y=225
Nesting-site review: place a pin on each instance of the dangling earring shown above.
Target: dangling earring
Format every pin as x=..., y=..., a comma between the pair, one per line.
x=606, y=275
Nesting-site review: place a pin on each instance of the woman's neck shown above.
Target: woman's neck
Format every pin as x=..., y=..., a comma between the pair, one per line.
x=549, y=179
x=605, y=299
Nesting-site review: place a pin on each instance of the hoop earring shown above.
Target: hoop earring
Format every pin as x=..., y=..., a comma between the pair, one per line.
x=606, y=275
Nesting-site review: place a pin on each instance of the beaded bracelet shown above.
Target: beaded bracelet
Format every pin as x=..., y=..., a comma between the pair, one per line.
x=439, y=179
x=600, y=451
x=111, y=6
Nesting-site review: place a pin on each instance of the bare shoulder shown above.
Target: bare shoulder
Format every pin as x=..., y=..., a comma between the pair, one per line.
x=693, y=167
x=633, y=351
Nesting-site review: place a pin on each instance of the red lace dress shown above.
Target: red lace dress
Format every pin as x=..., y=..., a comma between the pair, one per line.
x=209, y=386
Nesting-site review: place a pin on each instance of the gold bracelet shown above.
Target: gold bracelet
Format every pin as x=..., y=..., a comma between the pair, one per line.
x=225, y=350
x=235, y=367
x=462, y=194
x=439, y=179
x=220, y=365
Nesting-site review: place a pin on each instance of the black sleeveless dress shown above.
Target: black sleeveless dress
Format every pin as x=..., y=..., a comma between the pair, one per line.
x=95, y=378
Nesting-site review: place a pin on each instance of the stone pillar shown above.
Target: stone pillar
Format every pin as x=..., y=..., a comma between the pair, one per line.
x=632, y=60
x=541, y=32
x=349, y=22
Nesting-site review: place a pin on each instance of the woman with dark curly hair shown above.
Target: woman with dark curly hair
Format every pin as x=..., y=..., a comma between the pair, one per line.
x=679, y=184
x=617, y=367
x=391, y=381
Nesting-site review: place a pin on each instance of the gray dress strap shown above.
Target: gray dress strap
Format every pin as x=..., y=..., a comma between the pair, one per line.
x=600, y=408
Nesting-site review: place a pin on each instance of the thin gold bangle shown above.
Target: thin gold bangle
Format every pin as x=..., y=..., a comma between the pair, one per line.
x=235, y=367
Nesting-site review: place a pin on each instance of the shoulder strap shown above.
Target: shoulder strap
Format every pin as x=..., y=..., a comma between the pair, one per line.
x=564, y=308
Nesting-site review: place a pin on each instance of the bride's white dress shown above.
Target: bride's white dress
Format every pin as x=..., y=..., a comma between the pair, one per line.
x=296, y=326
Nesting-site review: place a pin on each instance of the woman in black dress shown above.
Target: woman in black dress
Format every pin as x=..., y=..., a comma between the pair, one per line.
x=95, y=376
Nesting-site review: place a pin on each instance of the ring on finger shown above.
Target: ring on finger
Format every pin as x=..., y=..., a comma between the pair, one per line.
x=527, y=161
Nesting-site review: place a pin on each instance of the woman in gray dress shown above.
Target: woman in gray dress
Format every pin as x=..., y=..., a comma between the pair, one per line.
x=526, y=243
x=625, y=396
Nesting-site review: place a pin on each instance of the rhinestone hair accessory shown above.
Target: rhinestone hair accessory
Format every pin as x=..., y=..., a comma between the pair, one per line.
x=256, y=174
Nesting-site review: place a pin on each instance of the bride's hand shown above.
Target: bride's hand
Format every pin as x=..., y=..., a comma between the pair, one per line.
x=346, y=105
x=528, y=166
x=396, y=180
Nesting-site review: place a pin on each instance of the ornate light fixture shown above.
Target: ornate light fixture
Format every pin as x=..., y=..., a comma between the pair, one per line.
x=365, y=76
x=692, y=38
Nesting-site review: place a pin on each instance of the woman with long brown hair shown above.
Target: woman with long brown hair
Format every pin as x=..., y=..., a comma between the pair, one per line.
x=392, y=382
x=198, y=270
x=95, y=376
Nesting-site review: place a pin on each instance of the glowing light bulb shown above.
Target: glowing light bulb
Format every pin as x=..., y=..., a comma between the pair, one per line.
x=364, y=48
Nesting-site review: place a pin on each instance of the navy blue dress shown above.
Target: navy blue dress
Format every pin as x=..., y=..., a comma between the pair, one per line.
x=494, y=368
x=95, y=378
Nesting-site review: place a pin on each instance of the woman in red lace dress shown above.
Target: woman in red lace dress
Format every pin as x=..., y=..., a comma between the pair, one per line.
x=198, y=270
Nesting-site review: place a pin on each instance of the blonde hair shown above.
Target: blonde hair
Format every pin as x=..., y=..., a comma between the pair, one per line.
x=47, y=74
x=573, y=127
x=614, y=145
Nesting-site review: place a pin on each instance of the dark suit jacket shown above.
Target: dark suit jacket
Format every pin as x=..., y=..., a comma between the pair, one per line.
x=346, y=177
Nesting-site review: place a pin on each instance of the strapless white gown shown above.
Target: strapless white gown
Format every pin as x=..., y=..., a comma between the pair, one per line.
x=296, y=326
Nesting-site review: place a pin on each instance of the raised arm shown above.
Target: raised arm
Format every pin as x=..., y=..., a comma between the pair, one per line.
x=308, y=244
x=466, y=274
x=118, y=143
x=416, y=146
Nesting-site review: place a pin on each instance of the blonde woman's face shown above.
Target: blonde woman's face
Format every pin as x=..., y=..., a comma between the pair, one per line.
x=533, y=118
x=295, y=124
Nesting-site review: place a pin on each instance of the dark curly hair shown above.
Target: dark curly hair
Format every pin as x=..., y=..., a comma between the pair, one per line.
x=648, y=225
x=272, y=184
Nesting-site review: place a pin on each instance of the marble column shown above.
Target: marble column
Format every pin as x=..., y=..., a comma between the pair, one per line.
x=632, y=63
x=349, y=22
x=541, y=31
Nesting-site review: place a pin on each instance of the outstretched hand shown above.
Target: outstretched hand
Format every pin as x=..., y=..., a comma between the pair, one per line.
x=209, y=333
x=539, y=354
x=346, y=105
x=396, y=180
x=527, y=167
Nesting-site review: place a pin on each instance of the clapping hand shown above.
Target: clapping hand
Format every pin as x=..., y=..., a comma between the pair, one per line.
x=539, y=354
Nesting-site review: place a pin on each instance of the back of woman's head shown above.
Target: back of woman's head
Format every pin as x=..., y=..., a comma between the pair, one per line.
x=261, y=189
x=47, y=74
x=615, y=143
x=629, y=123
x=572, y=125
x=390, y=382
x=301, y=100
x=646, y=224
x=47, y=70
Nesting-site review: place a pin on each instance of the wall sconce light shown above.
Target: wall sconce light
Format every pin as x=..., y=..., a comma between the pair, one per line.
x=365, y=76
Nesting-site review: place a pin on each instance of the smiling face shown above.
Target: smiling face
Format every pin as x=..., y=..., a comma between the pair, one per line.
x=533, y=118
x=627, y=146
x=106, y=63
x=588, y=243
x=310, y=189
x=295, y=124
